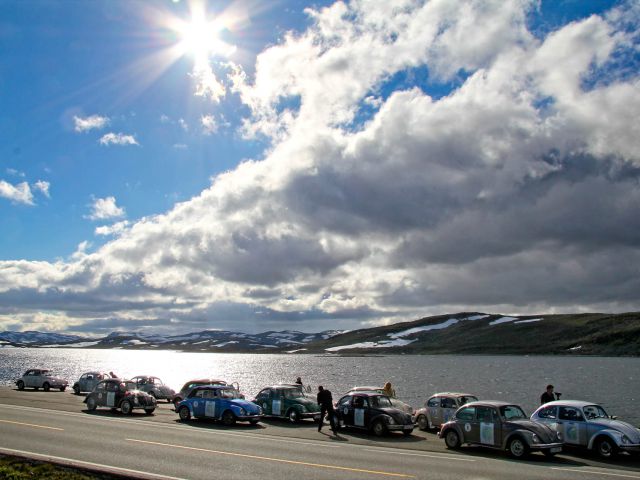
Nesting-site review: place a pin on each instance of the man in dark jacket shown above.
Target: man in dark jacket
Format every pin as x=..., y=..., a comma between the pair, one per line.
x=547, y=396
x=325, y=400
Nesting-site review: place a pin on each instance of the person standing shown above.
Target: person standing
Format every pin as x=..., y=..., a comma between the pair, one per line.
x=388, y=390
x=325, y=400
x=548, y=395
x=299, y=381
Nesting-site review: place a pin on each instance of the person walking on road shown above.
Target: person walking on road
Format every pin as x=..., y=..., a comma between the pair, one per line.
x=325, y=400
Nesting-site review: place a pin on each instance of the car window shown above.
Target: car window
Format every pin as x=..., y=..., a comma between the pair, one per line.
x=157, y=381
x=464, y=399
x=572, y=414
x=293, y=393
x=466, y=414
x=346, y=400
x=208, y=393
x=433, y=402
x=547, y=412
x=512, y=412
x=486, y=414
x=448, y=402
x=112, y=386
x=380, y=402
x=360, y=402
x=229, y=393
x=594, y=411
x=101, y=386
x=197, y=394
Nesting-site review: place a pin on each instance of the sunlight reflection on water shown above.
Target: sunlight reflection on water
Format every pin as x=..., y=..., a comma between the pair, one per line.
x=520, y=379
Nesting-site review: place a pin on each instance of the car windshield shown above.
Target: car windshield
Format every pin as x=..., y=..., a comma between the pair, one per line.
x=464, y=399
x=592, y=412
x=380, y=402
x=512, y=412
x=293, y=393
x=128, y=385
x=229, y=393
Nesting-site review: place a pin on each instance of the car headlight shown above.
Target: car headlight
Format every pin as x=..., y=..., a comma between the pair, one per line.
x=390, y=420
x=243, y=412
x=534, y=438
x=625, y=440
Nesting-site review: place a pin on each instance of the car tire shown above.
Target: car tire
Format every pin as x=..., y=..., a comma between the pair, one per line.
x=407, y=433
x=378, y=428
x=228, y=418
x=126, y=407
x=293, y=415
x=176, y=402
x=452, y=439
x=517, y=448
x=62, y=389
x=46, y=387
x=149, y=411
x=423, y=422
x=184, y=414
x=549, y=453
x=91, y=404
x=254, y=421
x=76, y=389
x=605, y=447
x=20, y=385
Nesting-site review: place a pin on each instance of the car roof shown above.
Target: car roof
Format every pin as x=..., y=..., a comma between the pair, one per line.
x=364, y=389
x=214, y=387
x=367, y=394
x=453, y=394
x=95, y=373
x=202, y=380
x=285, y=385
x=492, y=403
x=570, y=403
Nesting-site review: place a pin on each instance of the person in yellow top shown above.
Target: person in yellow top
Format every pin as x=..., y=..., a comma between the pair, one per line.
x=388, y=390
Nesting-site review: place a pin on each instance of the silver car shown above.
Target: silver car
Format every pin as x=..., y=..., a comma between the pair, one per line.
x=88, y=381
x=440, y=408
x=41, y=378
x=405, y=407
x=587, y=424
x=154, y=387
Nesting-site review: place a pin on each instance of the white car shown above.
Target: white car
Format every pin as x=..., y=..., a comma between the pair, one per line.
x=441, y=408
x=587, y=424
x=41, y=378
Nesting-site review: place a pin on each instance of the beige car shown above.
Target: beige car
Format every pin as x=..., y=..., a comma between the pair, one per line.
x=440, y=408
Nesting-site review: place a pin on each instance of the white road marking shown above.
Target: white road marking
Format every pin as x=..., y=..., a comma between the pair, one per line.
x=81, y=463
x=434, y=455
x=32, y=425
x=600, y=472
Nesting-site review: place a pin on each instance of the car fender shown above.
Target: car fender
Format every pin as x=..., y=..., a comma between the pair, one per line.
x=382, y=416
x=522, y=433
x=451, y=426
x=608, y=432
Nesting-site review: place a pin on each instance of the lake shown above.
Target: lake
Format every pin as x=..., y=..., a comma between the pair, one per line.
x=610, y=381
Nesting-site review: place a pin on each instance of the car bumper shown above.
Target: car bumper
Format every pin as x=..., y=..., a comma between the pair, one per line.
x=314, y=415
x=634, y=447
x=398, y=428
x=551, y=447
x=248, y=418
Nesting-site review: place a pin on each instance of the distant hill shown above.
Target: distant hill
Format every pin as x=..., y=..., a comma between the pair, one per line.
x=461, y=333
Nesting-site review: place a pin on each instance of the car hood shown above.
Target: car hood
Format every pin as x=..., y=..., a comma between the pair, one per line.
x=546, y=434
x=623, y=427
x=308, y=404
x=397, y=414
x=247, y=405
x=167, y=390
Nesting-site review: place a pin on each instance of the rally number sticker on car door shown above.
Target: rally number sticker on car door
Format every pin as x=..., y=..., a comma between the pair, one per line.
x=276, y=407
x=358, y=417
x=111, y=399
x=486, y=433
x=210, y=408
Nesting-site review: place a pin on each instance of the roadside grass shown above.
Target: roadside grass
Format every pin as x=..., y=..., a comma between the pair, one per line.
x=16, y=468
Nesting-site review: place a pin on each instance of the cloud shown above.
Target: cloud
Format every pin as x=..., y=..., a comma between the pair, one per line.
x=20, y=193
x=378, y=201
x=115, y=229
x=42, y=187
x=118, y=139
x=180, y=146
x=207, y=84
x=209, y=124
x=92, y=122
x=104, y=209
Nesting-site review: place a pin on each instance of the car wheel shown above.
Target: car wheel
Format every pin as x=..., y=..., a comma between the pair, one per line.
x=379, y=428
x=605, y=447
x=184, y=414
x=20, y=385
x=168, y=400
x=293, y=416
x=126, y=407
x=91, y=404
x=423, y=422
x=76, y=389
x=452, y=439
x=46, y=387
x=407, y=433
x=549, y=454
x=228, y=418
x=518, y=448
x=149, y=411
x=153, y=394
x=62, y=389
x=254, y=421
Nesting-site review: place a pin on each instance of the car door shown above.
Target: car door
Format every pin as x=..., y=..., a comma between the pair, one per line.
x=28, y=378
x=264, y=400
x=448, y=407
x=489, y=432
x=433, y=404
x=100, y=394
x=210, y=400
x=277, y=402
x=466, y=418
x=90, y=382
x=572, y=425
x=198, y=402
x=112, y=393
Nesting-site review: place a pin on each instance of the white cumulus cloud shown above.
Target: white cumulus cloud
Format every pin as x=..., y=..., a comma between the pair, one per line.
x=92, y=122
x=20, y=193
x=105, y=208
x=118, y=139
x=42, y=187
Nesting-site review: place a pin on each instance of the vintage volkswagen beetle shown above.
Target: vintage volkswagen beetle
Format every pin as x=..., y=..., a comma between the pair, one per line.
x=223, y=403
x=587, y=424
x=499, y=425
x=373, y=412
x=405, y=407
x=88, y=381
x=116, y=393
x=191, y=384
x=154, y=387
x=287, y=401
x=440, y=408
x=41, y=378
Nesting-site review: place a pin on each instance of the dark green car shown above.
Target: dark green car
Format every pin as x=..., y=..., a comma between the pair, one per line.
x=287, y=401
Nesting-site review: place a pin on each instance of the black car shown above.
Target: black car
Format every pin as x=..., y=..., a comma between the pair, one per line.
x=120, y=394
x=499, y=425
x=373, y=412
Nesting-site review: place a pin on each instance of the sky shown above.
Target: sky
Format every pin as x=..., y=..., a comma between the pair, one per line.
x=175, y=166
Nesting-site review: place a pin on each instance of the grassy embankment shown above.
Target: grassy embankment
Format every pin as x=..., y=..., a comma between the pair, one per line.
x=16, y=468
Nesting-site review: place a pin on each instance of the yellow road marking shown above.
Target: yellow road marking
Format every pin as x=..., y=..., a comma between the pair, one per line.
x=580, y=470
x=280, y=460
x=32, y=425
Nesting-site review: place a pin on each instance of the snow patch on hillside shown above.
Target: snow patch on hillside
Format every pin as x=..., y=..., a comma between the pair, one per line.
x=528, y=321
x=437, y=326
x=382, y=344
x=501, y=320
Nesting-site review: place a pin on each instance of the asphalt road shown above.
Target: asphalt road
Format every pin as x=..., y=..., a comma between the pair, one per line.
x=54, y=425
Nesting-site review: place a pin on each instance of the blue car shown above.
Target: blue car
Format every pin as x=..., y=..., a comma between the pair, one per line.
x=217, y=402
